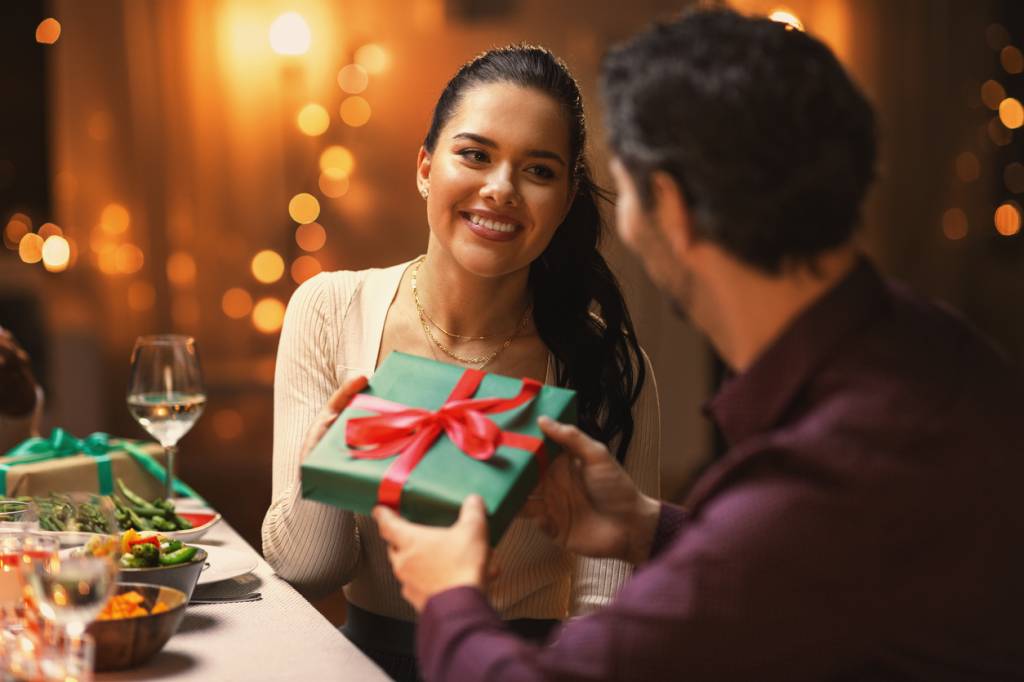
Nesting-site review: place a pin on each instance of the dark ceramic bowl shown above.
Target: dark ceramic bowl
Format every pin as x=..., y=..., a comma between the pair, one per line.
x=181, y=577
x=129, y=642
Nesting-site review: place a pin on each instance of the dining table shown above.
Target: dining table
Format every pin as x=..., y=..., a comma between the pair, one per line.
x=279, y=637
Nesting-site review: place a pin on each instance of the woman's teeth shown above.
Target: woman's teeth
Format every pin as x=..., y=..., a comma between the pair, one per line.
x=491, y=224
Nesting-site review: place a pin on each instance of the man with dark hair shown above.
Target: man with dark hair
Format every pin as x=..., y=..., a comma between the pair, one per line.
x=865, y=523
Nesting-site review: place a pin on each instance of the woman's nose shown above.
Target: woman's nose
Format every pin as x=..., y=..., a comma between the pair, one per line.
x=500, y=189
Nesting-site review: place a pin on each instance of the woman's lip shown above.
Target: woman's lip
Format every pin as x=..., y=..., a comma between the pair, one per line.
x=485, y=233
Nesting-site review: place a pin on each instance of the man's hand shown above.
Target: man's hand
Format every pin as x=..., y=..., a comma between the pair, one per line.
x=588, y=503
x=428, y=560
x=335, y=404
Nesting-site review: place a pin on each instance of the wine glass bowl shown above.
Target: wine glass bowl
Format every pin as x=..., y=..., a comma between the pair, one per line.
x=165, y=391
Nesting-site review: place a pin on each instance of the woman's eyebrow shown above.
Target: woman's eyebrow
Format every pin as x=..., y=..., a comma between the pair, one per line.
x=488, y=142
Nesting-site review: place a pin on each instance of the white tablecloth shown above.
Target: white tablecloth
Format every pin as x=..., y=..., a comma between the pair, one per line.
x=281, y=637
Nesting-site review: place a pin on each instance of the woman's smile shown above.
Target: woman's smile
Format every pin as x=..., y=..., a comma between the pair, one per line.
x=490, y=225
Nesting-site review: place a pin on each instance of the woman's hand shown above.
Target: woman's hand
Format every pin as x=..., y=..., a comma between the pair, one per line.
x=588, y=503
x=335, y=404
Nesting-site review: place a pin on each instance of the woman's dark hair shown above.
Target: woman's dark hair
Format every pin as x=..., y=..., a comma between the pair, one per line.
x=769, y=140
x=578, y=307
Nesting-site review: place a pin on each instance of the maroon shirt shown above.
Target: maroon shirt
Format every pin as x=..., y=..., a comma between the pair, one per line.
x=866, y=523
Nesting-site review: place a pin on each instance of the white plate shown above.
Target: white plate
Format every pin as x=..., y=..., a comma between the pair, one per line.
x=67, y=538
x=224, y=564
x=198, y=531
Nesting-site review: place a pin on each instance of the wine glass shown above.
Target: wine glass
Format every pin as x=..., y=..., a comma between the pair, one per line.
x=165, y=391
x=71, y=587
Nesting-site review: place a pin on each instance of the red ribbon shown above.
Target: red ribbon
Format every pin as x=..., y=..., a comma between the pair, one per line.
x=410, y=431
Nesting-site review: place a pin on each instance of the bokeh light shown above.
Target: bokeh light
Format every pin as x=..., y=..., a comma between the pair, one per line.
x=305, y=267
x=374, y=58
x=1011, y=59
x=304, y=208
x=48, y=31
x=268, y=315
x=1011, y=113
x=313, y=120
x=128, y=259
x=267, y=266
x=47, y=230
x=784, y=16
x=289, y=34
x=998, y=133
x=30, y=248
x=227, y=424
x=954, y=224
x=236, y=303
x=115, y=218
x=331, y=187
x=353, y=79
x=992, y=93
x=311, y=237
x=141, y=296
x=56, y=253
x=17, y=227
x=1013, y=176
x=106, y=259
x=181, y=269
x=355, y=111
x=337, y=162
x=967, y=167
x=1007, y=219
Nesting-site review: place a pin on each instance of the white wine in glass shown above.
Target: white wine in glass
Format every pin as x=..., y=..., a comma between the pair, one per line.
x=165, y=391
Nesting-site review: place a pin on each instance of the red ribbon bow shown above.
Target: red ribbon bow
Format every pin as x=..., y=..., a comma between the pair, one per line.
x=410, y=431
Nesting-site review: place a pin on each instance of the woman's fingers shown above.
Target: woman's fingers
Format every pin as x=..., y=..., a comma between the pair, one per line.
x=341, y=398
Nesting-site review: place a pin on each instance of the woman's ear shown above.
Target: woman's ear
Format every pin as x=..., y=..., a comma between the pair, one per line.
x=423, y=172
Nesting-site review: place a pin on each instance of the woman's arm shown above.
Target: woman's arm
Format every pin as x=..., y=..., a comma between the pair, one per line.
x=311, y=545
x=596, y=581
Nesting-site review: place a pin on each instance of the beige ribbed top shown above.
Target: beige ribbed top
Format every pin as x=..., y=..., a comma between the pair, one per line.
x=332, y=330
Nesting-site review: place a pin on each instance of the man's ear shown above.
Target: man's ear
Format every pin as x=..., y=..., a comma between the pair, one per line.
x=672, y=214
x=423, y=171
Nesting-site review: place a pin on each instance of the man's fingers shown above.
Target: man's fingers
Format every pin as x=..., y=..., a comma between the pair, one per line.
x=573, y=440
x=393, y=528
x=342, y=397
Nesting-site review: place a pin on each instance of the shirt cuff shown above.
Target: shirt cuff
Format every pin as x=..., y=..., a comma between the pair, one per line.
x=670, y=521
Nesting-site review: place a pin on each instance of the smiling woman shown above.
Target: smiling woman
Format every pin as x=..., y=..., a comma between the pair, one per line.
x=512, y=282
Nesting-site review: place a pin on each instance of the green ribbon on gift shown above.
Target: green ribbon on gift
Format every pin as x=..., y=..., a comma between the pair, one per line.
x=96, y=445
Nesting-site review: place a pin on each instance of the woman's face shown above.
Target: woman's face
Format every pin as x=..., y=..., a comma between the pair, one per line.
x=499, y=178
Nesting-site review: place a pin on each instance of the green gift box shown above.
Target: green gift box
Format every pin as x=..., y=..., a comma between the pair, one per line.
x=424, y=435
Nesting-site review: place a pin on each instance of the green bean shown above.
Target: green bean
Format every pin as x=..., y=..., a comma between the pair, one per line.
x=180, y=556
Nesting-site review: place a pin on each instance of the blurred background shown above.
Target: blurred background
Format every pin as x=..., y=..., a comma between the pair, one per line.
x=183, y=166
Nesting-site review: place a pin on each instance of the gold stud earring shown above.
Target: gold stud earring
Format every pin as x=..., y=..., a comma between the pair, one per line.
x=424, y=192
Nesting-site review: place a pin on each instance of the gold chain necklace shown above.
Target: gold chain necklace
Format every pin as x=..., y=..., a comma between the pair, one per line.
x=481, y=360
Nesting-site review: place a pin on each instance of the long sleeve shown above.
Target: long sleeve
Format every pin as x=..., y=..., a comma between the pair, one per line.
x=597, y=581
x=313, y=546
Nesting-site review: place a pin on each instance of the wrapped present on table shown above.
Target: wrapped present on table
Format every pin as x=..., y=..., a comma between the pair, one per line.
x=424, y=435
x=63, y=463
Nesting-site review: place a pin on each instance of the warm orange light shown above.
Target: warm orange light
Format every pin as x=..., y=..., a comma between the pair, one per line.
x=185, y=311
x=236, y=303
x=17, y=227
x=353, y=79
x=998, y=133
x=954, y=224
x=115, y=218
x=1007, y=219
x=30, y=248
x=1013, y=176
x=99, y=126
x=47, y=230
x=289, y=34
x=311, y=237
x=337, y=162
x=332, y=188
x=227, y=424
x=355, y=111
x=181, y=269
x=374, y=58
x=268, y=315
x=304, y=208
x=129, y=259
x=141, y=296
x=56, y=253
x=1011, y=59
x=305, y=267
x=967, y=167
x=106, y=259
x=48, y=31
x=267, y=266
x=992, y=93
x=1011, y=113
x=313, y=120
x=784, y=16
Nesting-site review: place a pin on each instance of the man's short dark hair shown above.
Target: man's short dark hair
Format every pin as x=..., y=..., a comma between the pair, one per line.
x=771, y=143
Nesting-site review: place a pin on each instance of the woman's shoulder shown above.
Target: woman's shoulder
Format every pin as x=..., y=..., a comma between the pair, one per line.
x=338, y=288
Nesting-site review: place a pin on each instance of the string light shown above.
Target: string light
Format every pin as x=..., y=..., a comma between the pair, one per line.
x=268, y=315
x=181, y=269
x=355, y=111
x=311, y=237
x=336, y=162
x=267, y=266
x=353, y=79
x=1007, y=219
x=115, y=218
x=1011, y=113
x=30, y=248
x=331, y=187
x=56, y=253
x=304, y=267
x=304, y=208
x=313, y=120
x=374, y=58
x=48, y=31
x=236, y=303
x=290, y=35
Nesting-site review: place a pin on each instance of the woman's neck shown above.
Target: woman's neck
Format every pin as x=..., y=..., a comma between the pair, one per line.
x=466, y=304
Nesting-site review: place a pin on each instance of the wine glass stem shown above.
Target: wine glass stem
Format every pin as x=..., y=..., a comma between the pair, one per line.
x=172, y=452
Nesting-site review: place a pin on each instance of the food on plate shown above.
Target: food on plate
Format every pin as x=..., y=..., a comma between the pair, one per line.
x=147, y=549
x=129, y=605
x=58, y=512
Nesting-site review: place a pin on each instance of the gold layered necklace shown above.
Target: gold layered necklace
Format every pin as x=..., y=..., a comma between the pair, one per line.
x=479, y=361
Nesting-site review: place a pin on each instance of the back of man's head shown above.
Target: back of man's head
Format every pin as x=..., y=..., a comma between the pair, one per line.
x=771, y=143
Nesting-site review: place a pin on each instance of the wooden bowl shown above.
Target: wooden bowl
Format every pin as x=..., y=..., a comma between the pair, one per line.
x=130, y=642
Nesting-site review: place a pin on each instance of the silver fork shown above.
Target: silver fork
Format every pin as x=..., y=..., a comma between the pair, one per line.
x=255, y=596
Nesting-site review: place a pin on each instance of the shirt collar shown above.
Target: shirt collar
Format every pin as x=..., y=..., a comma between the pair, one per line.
x=754, y=401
